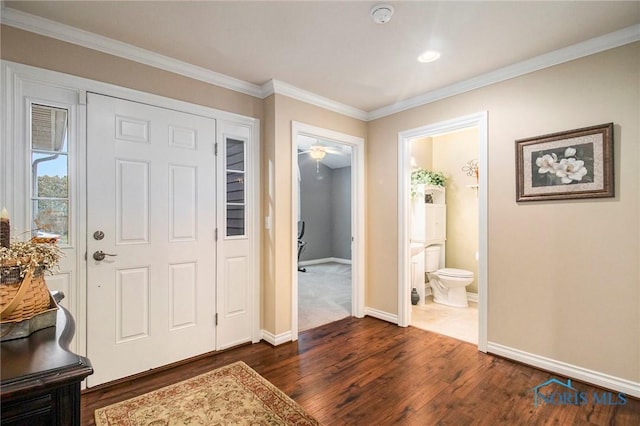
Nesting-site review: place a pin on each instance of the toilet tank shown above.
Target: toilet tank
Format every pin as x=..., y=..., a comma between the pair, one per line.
x=432, y=258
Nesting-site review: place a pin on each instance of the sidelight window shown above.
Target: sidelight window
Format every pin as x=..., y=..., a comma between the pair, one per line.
x=236, y=187
x=50, y=171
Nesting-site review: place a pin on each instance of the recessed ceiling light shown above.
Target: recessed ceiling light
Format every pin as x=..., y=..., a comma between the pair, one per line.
x=429, y=56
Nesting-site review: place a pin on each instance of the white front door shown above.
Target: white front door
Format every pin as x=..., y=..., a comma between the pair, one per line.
x=151, y=209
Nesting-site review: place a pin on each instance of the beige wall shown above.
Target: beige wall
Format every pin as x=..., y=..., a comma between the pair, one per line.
x=450, y=154
x=564, y=280
x=278, y=242
x=269, y=295
x=563, y=276
x=422, y=152
x=32, y=49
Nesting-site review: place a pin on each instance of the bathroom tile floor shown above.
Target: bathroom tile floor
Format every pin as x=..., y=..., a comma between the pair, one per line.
x=460, y=323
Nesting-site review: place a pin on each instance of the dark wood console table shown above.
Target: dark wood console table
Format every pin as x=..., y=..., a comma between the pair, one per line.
x=40, y=382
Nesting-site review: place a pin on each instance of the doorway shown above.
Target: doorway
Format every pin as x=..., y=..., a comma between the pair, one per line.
x=324, y=232
x=405, y=138
x=328, y=172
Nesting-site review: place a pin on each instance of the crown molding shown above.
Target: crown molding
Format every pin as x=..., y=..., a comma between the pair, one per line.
x=589, y=47
x=282, y=88
x=48, y=28
x=66, y=33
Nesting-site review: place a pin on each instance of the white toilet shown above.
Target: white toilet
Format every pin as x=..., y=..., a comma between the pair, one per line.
x=448, y=284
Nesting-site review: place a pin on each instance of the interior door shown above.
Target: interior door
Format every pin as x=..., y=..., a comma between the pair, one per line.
x=151, y=250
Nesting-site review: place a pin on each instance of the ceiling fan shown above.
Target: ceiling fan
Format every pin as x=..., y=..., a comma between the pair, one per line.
x=318, y=151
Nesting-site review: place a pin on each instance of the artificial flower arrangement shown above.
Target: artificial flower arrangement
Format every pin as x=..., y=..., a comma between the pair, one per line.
x=420, y=176
x=37, y=252
x=427, y=177
x=23, y=291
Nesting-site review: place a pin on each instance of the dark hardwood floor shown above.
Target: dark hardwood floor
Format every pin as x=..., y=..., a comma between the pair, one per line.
x=369, y=372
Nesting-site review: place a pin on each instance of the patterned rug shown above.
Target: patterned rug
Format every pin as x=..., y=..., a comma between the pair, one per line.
x=231, y=395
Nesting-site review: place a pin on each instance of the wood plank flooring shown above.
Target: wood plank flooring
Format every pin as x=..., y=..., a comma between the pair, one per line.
x=369, y=372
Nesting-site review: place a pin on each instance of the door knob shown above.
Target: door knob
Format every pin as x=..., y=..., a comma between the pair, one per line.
x=100, y=255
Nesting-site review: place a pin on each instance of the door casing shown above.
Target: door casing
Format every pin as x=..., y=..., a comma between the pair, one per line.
x=405, y=137
x=357, y=216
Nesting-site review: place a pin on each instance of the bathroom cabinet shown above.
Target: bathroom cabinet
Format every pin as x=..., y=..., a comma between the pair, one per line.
x=435, y=216
x=429, y=219
x=428, y=227
x=435, y=227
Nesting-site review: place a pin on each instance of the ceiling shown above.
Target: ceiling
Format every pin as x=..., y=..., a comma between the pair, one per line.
x=334, y=49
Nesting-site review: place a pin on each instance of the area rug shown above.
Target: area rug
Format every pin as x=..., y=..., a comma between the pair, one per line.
x=231, y=395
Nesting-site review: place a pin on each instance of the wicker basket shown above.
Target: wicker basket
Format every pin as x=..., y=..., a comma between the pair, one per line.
x=22, y=298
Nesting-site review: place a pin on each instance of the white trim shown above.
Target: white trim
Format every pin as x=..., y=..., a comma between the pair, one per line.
x=48, y=28
x=274, y=339
x=573, y=371
x=9, y=95
x=381, y=315
x=472, y=297
x=20, y=93
x=325, y=260
x=478, y=120
x=589, y=47
x=68, y=81
x=282, y=88
x=357, y=215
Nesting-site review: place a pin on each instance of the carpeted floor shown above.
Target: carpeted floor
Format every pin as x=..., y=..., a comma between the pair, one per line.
x=231, y=395
x=324, y=294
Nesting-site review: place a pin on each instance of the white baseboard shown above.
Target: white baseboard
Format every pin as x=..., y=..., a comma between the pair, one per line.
x=325, y=260
x=472, y=297
x=589, y=376
x=385, y=316
x=276, y=340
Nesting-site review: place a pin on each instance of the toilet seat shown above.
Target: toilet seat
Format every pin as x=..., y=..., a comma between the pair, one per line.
x=454, y=273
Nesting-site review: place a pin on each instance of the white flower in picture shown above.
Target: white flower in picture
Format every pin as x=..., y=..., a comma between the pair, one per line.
x=570, y=169
x=554, y=168
x=547, y=163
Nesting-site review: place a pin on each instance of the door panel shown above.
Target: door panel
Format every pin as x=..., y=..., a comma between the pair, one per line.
x=151, y=185
x=235, y=291
x=132, y=202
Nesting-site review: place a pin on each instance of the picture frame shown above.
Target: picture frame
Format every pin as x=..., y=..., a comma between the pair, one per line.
x=573, y=164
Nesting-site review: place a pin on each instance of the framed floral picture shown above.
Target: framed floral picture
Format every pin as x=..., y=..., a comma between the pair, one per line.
x=566, y=165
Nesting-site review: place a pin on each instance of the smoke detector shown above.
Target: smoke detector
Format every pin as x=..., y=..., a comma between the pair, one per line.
x=381, y=13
